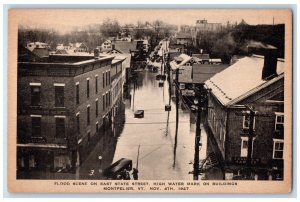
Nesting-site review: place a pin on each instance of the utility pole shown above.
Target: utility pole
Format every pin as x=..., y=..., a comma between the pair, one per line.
x=177, y=115
x=250, y=137
x=197, y=137
x=177, y=100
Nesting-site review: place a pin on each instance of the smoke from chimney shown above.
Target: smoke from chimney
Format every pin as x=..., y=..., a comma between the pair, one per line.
x=270, y=58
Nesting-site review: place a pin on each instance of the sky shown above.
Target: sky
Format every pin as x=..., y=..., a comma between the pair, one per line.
x=64, y=19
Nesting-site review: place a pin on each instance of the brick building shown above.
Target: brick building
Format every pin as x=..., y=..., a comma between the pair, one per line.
x=205, y=26
x=63, y=103
x=257, y=81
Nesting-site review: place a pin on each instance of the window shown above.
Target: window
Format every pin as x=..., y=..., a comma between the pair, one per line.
x=244, y=146
x=36, y=125
x=279, y=121
x=97, y=127
x=89, y=136
x=220, y=133
x=78, y=123
x=181, y=86
x=88, y=115
x=60, y=126
x=88, y=87
x=77, y=93
x=35, y=94
x=59, y=95
x=246, y=121
x=103, y=99
x=278, y=149
x=106, y=79
x=106, y=97
x=109, y=77
x=224, y=137
x=109, y=98
x=96, y=84
x=96, y=103
x=103, y=80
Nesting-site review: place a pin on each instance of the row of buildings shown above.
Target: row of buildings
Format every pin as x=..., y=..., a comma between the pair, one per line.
x=64, y=102
x=255, y=81
x=82, y=48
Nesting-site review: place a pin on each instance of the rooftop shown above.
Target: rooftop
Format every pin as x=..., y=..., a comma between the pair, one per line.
x=241, y=80
x=201, y=56
x=66, y=59
x=185, y=58
x=203, y=72
x=185, y=75
x=125, y=46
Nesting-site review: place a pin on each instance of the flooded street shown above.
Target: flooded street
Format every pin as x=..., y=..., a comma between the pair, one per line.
x=150, y=142
x=162, y=155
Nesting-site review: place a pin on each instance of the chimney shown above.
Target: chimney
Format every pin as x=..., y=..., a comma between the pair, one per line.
x=270, y=64
x=96, y=53
x=270, y=58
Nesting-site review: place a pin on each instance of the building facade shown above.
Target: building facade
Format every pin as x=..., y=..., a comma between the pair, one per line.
x=63, y=104
x=232, y=91
x=204, y=26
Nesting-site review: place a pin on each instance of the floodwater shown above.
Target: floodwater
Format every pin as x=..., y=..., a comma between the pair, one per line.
x=151, y=141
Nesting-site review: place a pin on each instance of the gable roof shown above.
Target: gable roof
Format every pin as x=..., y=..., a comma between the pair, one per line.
x=241, y=80
x=61, y=51
x=115, y=51
x=25, y=55
x=80, y=45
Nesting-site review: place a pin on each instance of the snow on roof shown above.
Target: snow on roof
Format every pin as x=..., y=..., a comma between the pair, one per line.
x=185, y=58
x=126, y=57
x=77, y=45
x=241, y=80
x=118, y=58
